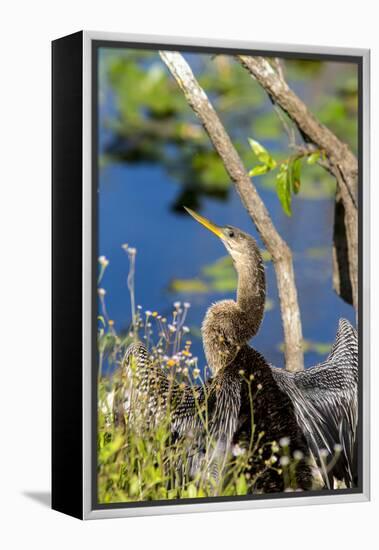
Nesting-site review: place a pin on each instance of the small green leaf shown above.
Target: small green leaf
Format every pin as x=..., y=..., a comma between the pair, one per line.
x=192, y=491
x=268, y=163
x=101, y=319
x=259, y=170
x=283, y=188
x=258, y=149
x=134, y=486
x=241, y=485
x=313, y=158
x=111, y=448
x=295, y=175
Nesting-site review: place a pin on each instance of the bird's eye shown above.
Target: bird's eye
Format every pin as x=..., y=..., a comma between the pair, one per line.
x=231, y=233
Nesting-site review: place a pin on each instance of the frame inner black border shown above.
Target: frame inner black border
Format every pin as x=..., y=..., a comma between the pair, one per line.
x=95, y=46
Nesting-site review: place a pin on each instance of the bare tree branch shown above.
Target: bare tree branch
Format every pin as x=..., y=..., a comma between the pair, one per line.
x=277, y=247
x=342, y=163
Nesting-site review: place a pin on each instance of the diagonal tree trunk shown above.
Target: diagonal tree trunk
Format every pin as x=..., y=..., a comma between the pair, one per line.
x=279, y=250
x=341, y=163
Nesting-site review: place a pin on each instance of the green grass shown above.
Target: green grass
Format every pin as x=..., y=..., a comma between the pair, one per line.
x=139, y=461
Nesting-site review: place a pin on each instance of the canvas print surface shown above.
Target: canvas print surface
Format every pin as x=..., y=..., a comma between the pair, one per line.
x=227, y=275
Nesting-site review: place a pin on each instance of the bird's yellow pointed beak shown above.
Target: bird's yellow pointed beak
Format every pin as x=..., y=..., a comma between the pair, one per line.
x=208, y=224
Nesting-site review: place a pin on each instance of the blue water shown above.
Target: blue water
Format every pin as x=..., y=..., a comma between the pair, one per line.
x=134, y=209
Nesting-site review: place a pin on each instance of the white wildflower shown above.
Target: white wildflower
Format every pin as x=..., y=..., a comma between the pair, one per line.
x=103, y=261
x=284, y=461
x=284, y=441
x=237, y=450
x=298, y=455
x=323, y=453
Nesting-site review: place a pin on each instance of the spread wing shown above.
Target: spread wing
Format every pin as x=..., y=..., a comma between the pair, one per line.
x=325, y=398
x=159, y=391
x=205, y=417
x=224, y=404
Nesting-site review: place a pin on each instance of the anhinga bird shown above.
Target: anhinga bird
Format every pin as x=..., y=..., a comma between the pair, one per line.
x=315, y=410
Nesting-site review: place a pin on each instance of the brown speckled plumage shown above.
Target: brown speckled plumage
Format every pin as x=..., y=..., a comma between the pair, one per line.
x=312, y=408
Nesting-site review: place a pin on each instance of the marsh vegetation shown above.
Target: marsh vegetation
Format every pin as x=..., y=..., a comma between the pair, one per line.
x=149, y=138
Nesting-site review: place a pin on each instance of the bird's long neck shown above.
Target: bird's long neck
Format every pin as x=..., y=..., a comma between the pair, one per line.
x=229, y=324
x=251, y=292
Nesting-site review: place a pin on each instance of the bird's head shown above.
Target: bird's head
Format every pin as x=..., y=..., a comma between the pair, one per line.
x=239, y=244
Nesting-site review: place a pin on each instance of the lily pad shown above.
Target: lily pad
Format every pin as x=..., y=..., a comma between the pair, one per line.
x=321, y=348
x=219, y=276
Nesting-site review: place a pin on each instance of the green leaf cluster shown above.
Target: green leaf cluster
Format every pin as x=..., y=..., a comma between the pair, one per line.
x=288, y=178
